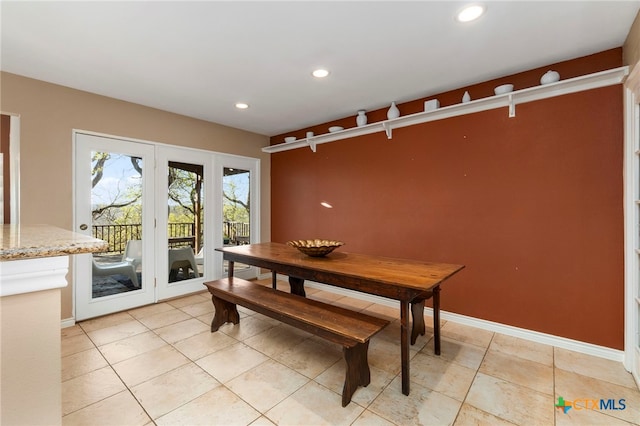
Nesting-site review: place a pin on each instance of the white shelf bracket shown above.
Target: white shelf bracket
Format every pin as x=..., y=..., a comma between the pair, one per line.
x=312, y=144
x=388, y=130
x=512, y=107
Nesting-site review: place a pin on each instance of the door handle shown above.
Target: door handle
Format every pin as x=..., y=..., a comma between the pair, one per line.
x=83, y=227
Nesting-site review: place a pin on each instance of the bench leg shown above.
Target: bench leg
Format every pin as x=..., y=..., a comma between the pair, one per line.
x=297, y=286
x=417, y=315
x=358, y=373
x=225, y=312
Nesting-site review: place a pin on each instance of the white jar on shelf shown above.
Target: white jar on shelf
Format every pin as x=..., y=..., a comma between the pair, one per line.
x=361, y=118
x=550, y=77
x=393, y=112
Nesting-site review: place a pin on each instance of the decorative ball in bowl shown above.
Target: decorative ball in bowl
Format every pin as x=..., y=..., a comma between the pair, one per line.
x=505, y=88
x=315, y=248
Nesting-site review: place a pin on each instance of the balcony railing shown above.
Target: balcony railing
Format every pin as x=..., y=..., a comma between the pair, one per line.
x=236, y=232
x=180, y=234
x=117, y=235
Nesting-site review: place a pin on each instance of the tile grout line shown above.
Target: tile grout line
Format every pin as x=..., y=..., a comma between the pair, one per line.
x=111, y=366
x=269, y=358
x=493, y=335
x=172, y=345
x=114, y=372
x=118, y=375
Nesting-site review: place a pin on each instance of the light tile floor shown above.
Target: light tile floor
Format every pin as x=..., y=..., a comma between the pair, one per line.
x=161, y=365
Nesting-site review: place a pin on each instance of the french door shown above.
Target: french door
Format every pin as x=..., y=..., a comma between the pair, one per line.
x=163, y=211
x=114, y=193
x=183, y=200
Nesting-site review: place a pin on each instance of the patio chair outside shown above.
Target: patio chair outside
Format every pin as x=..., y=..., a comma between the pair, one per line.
x=182, y=258
x=122, y=268
x=133, y=253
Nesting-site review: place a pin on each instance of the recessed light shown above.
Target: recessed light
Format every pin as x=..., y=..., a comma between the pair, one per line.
x=470, y=13
x=242, y=105
x=326, y=205
x=320, y=73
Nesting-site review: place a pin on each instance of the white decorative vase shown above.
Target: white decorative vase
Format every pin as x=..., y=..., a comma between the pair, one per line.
x=393, y=112
x=361, y=119
x=431, y=105
x=466, y=98
x=550, y=77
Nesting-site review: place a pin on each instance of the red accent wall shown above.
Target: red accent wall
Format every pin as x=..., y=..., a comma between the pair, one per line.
x=532, y=205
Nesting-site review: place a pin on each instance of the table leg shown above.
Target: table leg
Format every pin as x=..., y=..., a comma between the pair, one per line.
x=297, y=286
x=404, y=345
x=230, y=273
x=273, y=280
x=436, y=320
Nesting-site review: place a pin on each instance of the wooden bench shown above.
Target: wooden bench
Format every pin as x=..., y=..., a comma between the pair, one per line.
x=348, y=328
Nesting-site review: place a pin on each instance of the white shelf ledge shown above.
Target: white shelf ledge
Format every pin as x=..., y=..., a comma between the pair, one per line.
x=509, y=100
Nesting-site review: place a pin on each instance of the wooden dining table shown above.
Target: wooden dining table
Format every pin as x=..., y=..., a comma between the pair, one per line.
x=411, y=282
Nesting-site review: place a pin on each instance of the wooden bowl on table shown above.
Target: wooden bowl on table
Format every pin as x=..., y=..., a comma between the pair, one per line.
x=315, y=248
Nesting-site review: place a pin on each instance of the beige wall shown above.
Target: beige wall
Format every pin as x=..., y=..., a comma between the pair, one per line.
x=49, y=113
x=631, y=48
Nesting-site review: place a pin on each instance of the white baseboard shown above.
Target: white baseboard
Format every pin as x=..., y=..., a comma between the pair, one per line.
x=68, y=322
x=534, y=336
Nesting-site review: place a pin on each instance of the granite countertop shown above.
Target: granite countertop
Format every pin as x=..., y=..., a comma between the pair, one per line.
x=33, y=241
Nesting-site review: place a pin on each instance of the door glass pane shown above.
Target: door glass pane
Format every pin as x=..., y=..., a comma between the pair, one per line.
x=116, y=210
x=185, y=221
x=236, y=205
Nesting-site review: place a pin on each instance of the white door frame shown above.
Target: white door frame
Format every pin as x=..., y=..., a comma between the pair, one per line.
x=631, y=225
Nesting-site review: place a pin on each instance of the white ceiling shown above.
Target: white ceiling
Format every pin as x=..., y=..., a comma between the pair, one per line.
x=200, y=58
